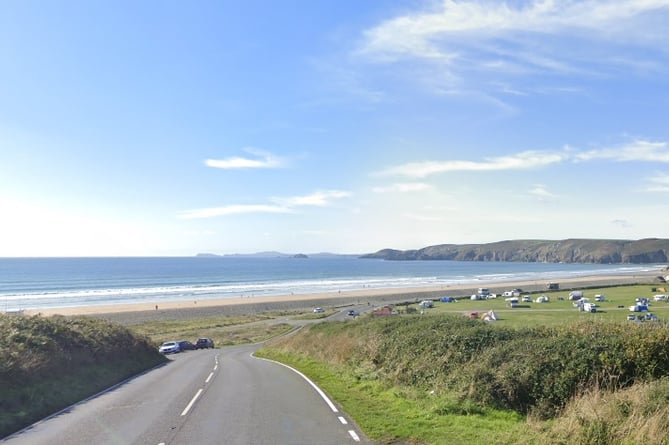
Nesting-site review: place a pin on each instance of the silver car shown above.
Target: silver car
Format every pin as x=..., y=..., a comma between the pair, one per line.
x=170, y=347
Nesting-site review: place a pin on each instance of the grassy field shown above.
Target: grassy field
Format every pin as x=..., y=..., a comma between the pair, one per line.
x=544, y=373
x=224, y=331
x=558, y=311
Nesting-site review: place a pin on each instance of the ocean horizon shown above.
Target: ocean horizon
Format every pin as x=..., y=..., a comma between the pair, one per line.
x=46, y=283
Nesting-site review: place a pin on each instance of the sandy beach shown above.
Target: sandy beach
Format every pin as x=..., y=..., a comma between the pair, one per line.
x=154, y=311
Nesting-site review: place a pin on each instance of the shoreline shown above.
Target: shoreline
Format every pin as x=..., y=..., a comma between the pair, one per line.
x=251, y=305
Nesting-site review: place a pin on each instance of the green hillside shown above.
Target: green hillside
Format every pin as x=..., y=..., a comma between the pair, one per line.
x=652, y=250
x=423, y=379
x=47, y=364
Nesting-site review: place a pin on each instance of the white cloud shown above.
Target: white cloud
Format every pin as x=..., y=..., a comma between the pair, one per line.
x=639, y=150
x=282, y=205
x=263, y=160
x=420, y=34
x=541, y=192
x=460, y=41
x=319, y=198
x=658, y=183
x=403, y=187
x=232, y=210
x=518, y=161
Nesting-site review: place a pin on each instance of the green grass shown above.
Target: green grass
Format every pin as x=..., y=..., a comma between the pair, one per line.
x=47, y=364
x=442, y=378
x=224, y=331
x=558, y=312
x=390, y=415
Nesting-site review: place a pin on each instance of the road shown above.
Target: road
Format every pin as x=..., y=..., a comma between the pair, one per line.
x=202, y=397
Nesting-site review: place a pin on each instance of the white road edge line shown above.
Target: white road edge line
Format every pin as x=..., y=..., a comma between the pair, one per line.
x=190, y=405
x=211, y=374
x=343, y=421
x=313, y=385
x=354, y=435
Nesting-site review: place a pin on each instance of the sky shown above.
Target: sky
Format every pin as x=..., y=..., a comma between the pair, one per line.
x=169, y=128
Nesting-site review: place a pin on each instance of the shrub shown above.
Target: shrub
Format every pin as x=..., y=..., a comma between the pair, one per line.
x=530, y=370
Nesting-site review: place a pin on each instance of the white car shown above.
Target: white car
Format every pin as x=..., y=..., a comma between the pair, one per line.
x=319, y=310
x=170, y=347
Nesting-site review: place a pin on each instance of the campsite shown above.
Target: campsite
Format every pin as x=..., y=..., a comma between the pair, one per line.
x=555, y=307
x=467, y=367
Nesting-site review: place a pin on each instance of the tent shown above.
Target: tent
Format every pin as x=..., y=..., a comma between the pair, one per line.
x=489, y=316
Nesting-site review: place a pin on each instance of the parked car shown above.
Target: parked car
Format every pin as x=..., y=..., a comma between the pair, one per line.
x=169, y=347
x=204, y=343
x=185, y=345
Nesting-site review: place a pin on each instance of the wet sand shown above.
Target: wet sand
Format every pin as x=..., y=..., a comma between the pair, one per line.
x=157, y=311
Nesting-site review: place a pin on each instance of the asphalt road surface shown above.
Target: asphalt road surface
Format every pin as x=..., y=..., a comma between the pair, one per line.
x=203, y=397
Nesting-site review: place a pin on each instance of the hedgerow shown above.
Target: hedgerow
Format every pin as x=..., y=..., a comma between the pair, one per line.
x=533, y=370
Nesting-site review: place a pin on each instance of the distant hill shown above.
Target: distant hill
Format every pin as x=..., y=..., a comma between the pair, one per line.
x=273, y=254
x=651, y=250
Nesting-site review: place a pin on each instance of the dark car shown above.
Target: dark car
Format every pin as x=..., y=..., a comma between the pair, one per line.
x=185, y=345
x=204, y=343
x=353, y=313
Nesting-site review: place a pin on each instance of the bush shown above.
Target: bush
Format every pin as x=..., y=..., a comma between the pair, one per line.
x=530, y=370
x=47, y=364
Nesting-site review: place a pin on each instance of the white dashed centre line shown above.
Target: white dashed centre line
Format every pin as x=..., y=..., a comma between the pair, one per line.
x=209, y=378
x=192, y=402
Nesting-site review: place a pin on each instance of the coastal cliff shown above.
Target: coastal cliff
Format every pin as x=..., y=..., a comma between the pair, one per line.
x=644, y=251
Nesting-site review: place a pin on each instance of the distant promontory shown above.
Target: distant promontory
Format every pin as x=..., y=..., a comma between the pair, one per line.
x=597, y=251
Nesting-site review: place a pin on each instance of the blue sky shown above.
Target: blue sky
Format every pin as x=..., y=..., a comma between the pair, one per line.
x=171, y=128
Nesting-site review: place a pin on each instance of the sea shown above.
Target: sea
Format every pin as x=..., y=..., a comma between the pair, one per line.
x=46, y=283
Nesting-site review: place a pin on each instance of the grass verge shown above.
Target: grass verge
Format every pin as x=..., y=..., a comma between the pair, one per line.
x=391, y=415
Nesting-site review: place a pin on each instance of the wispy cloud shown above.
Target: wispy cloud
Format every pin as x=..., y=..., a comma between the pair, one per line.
x=262, y=160
x=658, y=183
x=518, y=161
x=471, y=41
x=281, y=205
x=638, y=150
x=540, y=191
x=211, y=212
x=319, y=198
x=403, y=187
